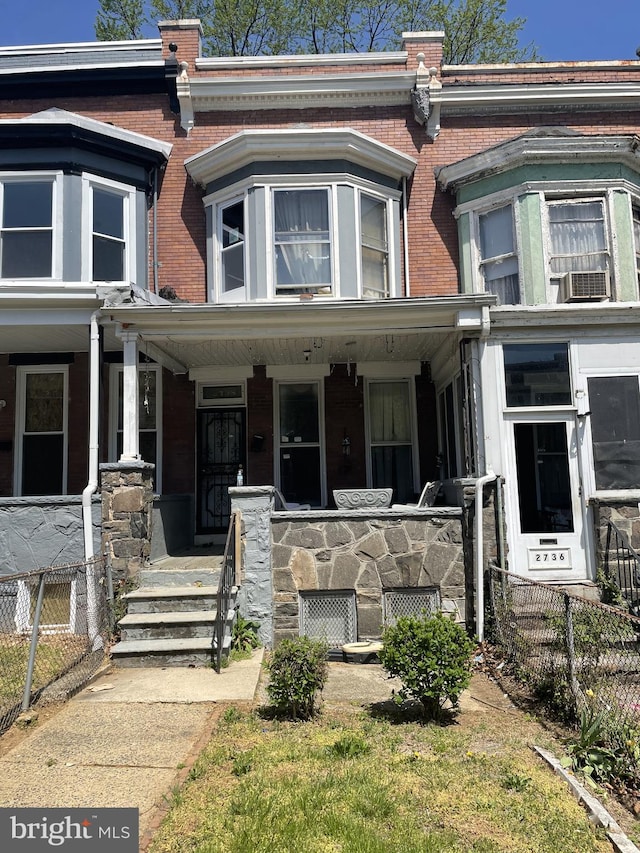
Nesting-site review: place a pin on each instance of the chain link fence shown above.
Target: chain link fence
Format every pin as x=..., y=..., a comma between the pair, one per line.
x=578, y=657
x=54, y=626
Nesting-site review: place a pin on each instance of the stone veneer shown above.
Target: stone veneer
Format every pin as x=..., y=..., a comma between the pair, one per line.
x=127, y=502
x=368, y=551
x=624, y=513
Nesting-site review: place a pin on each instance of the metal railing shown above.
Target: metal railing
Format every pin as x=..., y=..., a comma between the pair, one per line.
x=621, y=568
x=570, y=652
x=47, y=632
x=228, y=581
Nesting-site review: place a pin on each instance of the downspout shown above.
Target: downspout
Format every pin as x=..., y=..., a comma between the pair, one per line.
x=155, y=231
x=479, y=552
x=92, y=484
x=405, y=238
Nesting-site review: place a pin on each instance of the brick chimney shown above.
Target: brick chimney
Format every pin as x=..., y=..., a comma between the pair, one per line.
x=428, y=43
x=187, y=34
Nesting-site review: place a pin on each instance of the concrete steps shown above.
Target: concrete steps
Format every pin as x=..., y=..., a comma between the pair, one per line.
x=171, y=617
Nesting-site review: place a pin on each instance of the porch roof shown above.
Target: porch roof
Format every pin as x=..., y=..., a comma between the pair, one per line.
x=183, y=336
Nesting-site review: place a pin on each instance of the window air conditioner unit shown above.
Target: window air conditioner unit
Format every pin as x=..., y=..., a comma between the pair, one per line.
x=585, y=286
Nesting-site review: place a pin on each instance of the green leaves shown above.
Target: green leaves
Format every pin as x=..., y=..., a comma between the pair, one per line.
x=298, y=671
x=476, y=30
x=432, y=658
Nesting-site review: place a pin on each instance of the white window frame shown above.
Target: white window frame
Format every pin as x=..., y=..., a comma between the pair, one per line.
x=56, y=179
x=415, y=462
x=128, y=194
x=332, y=210
x=239, y=295
x=391, y=247
x=451, y=445
x=115, y=372
x=22, y=372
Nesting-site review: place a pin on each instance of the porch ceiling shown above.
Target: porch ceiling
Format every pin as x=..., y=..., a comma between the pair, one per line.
x=297, y=333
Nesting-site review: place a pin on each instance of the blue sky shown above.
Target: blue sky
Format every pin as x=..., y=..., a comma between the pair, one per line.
x=562, y=29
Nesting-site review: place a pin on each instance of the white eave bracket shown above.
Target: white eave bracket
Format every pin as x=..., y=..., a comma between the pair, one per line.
x=425, y=98
x=183, y=89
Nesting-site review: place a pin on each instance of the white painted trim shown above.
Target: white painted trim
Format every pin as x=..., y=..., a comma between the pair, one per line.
x=114, y=372
x=128, y=195
x=327, y=143
x=313, y=60
x=218, y=374
x=389, y=369
x=82, y=47
x=22, y=371
x=230, y=403
x=297, y=372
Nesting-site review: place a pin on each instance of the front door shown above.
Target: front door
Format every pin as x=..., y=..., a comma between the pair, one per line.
x=221, y=451
x=546, y=526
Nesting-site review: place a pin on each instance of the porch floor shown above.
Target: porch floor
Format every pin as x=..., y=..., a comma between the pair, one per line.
x=198, y=557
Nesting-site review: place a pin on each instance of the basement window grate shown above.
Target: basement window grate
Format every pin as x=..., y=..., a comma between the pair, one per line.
x=410, y=602
x=329, y=616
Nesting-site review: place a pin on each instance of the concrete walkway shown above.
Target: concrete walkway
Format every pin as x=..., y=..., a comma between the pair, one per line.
x=123, y=739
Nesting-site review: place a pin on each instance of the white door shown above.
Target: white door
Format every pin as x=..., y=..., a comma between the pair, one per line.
x=545, y=523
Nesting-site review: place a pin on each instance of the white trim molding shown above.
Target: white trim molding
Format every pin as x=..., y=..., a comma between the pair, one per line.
x=220, y=373
x=389, y=369
x=297, y=144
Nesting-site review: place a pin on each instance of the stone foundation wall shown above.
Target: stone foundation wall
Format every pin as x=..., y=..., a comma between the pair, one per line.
x=38, y=532
x=368, y=552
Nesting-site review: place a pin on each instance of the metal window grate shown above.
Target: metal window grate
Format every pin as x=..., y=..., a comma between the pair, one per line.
x=329, y=616
x=410, y=602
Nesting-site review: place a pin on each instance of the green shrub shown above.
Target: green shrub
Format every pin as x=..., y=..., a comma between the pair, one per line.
x=297, y=672
x=432, y=658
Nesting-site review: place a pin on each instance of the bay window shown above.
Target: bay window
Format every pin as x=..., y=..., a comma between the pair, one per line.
x=636, y=237
x=109, y=247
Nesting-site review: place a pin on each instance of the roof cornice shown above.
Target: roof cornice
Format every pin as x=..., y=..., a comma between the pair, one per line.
x=509, y=97
x=295, y=144
x=529, y=149
x=312, y=60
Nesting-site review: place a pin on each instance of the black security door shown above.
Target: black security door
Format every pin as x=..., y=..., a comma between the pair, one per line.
x=221, y=451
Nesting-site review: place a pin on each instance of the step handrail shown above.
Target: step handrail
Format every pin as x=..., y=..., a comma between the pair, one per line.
x=226, y=584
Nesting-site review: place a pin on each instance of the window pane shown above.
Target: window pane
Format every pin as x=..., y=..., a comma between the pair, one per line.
x=108, y=259
x=544, y=488
x=233, y=268
x=615, y=431
x=299, y=413
x=302, y=239
x=27, y=204
x=44, y=402
x=42, y=464
x=233, y=224
x=108, y=213
x=300, y=474
x=389, y=412
x=537, y=374
x=373, y=213
x=392, y=468
x=26, y=254
x=578, y=240
x=375, y=280
x=496, y=232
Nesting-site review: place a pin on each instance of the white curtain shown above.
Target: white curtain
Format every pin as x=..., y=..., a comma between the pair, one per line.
x=389, y=412
x=578, y=240
x=302, y=241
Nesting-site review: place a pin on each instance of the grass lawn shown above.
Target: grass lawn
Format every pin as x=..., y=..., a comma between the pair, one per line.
x=357, y=783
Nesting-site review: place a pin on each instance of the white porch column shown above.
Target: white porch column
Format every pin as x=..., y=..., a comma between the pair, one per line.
x=130, y=398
